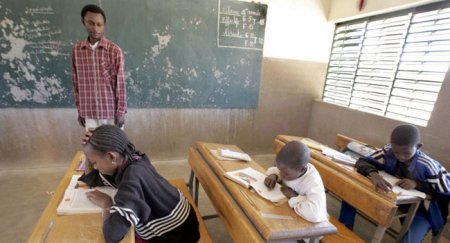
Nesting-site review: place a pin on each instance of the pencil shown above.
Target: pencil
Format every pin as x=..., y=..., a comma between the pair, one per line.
x=249, y=200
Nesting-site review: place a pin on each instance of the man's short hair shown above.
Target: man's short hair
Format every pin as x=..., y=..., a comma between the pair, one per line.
x=94, y=9
x=294, y=154
x=405, y=135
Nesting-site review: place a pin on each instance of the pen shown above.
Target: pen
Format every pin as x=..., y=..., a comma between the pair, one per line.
x=249, y=200
x=275, y=216
x=47, y=231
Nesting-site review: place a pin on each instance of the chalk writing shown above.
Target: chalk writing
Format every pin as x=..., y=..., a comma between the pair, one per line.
x=41, y=10
x=28, y=38
x=241, y=25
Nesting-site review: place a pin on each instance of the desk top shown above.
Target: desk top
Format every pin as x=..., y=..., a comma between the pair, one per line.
x=253, y=205
x=71, y=228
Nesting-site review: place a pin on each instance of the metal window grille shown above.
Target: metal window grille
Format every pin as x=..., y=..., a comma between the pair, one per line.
x=391, y=65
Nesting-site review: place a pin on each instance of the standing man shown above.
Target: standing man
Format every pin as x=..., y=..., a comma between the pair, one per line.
x=98, y=74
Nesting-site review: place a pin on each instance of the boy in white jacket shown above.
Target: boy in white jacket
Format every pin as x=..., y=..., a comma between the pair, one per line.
x=301, y=182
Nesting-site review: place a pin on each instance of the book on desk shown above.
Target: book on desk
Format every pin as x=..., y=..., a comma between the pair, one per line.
x=227, y=154
x=338, y=156
x=76, y=202
x=398, y=190
x=253, y=179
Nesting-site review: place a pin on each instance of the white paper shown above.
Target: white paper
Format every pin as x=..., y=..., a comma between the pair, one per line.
x=234, y=155
x=76, y=202
x=337, y=156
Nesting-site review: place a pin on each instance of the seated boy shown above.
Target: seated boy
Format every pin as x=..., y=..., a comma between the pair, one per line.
x=302, y=183
x=404, y=159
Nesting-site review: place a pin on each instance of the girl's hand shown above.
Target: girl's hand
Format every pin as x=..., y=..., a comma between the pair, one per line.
x=87, y=136
x=100, y=199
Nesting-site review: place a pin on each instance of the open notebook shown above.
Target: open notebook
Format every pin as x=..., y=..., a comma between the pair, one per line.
x=251, y=178
x=398, y=190
x=76, y=202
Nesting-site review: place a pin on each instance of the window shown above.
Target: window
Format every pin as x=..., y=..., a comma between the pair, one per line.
x=391, y=65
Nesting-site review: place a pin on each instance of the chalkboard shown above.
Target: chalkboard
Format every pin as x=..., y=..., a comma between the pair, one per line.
x=241, y=25
x=180, y=54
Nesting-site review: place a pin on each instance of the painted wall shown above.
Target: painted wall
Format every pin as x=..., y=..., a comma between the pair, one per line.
x=327, y=120
x=298, y=30
x=41, y=137
x=295, y=30
x=343, y=10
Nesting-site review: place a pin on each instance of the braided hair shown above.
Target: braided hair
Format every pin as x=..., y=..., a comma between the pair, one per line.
x=109, y=138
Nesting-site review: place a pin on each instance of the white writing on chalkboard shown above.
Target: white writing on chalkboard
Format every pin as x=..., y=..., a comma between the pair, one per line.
x=42, y=10
x=241, y=24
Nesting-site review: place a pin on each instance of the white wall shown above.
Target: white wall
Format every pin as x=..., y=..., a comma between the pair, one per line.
x=298, y=30
x=343, y=10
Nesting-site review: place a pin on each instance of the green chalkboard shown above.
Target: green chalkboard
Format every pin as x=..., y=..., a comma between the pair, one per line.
x=180, y=54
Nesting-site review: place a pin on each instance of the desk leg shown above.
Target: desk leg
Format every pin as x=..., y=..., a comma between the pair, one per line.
x=379, y=233
x=191, y=182
x=193, y=187
x=196, y=190
x=408, y=220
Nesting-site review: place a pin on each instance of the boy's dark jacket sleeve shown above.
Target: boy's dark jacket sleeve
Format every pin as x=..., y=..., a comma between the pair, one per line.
x=366, y=165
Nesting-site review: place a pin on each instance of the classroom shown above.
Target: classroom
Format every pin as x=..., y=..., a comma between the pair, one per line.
x=289, y=83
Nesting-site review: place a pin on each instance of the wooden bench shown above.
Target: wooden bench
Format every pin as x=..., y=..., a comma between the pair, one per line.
x=379, y=209
x=205, y=237
x=344, y=234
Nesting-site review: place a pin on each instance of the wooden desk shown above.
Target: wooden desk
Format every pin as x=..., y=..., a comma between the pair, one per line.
x=388, y=202
x=349, y=171
x=240, y=209
x=69, y=228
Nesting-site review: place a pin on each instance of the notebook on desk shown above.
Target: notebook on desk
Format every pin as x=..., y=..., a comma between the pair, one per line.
x=398, y=190
x=226, y=154
x=76, y=202
x=338, y=156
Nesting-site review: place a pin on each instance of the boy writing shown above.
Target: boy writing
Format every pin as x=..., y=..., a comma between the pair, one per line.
x=303, y=185
x=404, y=159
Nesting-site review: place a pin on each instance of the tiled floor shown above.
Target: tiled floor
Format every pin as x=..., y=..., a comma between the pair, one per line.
x=24, y=194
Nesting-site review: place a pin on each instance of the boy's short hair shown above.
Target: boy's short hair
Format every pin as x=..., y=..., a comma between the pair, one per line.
x=405, y=134
x=93, y=9
x=294, y=154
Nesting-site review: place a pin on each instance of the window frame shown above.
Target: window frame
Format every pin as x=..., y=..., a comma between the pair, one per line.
x=393, y=98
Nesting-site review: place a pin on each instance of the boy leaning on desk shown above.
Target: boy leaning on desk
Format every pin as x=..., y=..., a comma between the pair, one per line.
x=404, y=159
x=302, y=183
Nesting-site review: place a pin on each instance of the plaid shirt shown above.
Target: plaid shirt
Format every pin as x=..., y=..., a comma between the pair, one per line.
x=98, y=80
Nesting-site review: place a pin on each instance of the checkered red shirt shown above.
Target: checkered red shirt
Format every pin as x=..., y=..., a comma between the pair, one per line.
x=98, y=80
